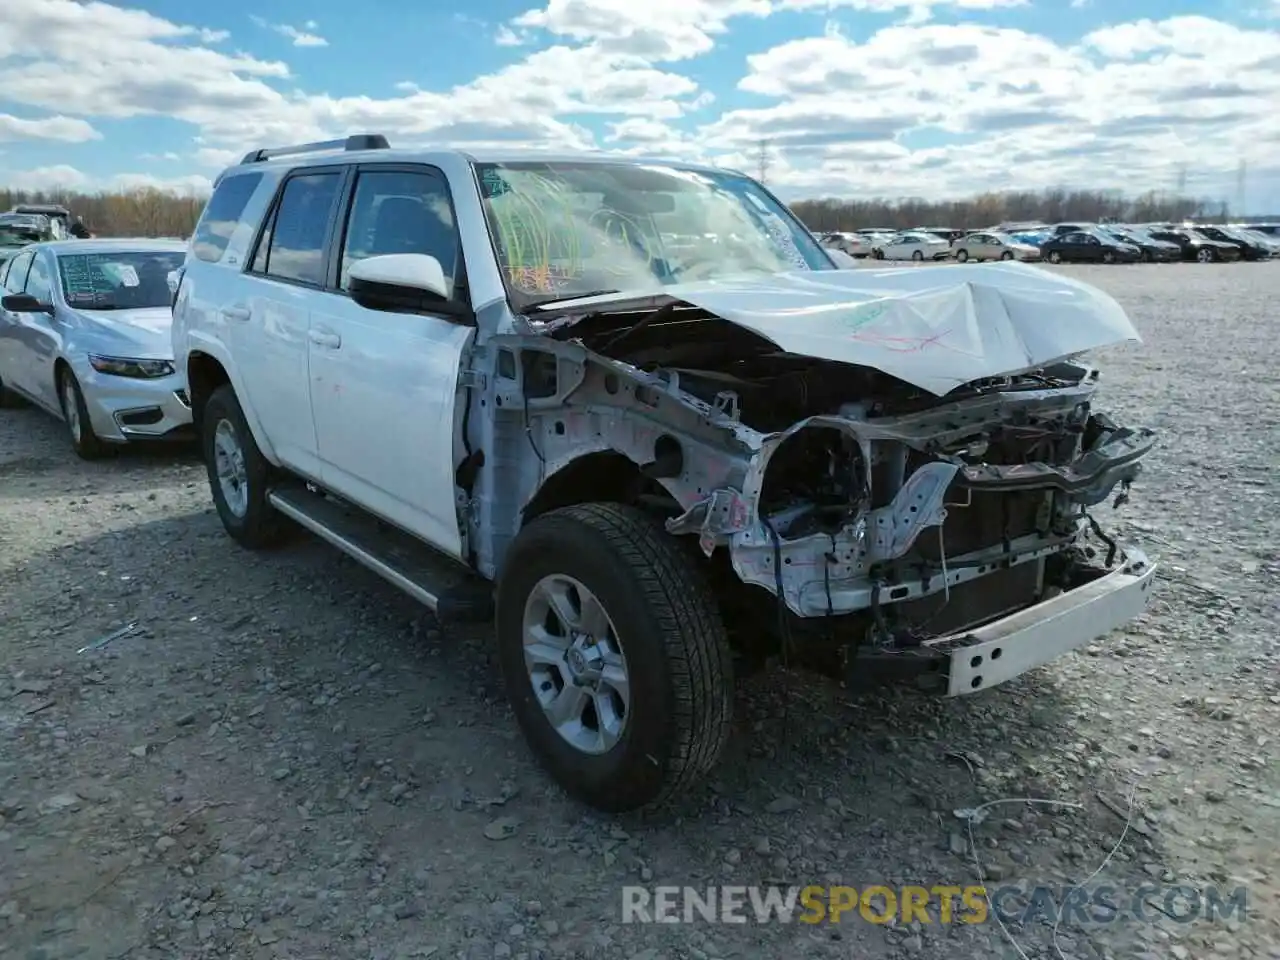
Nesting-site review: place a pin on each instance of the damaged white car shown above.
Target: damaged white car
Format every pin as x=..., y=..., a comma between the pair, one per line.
x=633, y=411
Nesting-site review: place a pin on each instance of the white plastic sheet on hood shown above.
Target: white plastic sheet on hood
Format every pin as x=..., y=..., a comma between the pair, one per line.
x=937, y=328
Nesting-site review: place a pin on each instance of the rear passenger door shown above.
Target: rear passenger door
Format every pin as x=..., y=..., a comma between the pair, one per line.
x=270, y=329
x=384, y=386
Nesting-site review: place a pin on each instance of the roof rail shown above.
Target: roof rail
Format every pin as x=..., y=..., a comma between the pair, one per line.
x=357, y=141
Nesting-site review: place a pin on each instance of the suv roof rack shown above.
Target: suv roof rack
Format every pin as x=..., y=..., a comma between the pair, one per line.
x=357, y=141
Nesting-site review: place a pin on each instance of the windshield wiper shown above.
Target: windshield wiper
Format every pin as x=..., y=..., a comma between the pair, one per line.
x=543, y=303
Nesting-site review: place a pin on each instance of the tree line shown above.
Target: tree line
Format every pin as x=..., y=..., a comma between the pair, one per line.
x=149, y=212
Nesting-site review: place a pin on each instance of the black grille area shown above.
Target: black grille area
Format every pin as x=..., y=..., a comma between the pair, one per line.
x=984, y=521
x=974, y=603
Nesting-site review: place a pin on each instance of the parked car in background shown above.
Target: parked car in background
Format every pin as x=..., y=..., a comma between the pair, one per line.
x=1250, y=248
x=1270, y=241
x=912, y=246
x=1153, y=250
x=1196, y=246
x=949, y=234
x=1032, y=237
x=84, y=334
x=993, y=246
x=19, y=229
x=1270, y=229
x=1094, y=247
x=855, y=245
x=61, y=218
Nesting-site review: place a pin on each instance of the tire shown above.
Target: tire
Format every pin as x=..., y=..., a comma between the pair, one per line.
x=75, y=413
x=1007, y=255
x=1055, y=256
x=674, y=649
x=1108, y=257
x=1206, y=256
x=248, y=518
x=962, y=255
x=1148, y=257
x=917, y=256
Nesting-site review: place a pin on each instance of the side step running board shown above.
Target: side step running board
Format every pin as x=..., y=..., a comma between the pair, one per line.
x=441, y=584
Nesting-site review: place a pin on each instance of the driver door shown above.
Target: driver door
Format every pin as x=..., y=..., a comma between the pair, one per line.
x=384, y=386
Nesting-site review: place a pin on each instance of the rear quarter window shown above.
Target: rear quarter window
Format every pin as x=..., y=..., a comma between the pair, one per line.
x=222, y=214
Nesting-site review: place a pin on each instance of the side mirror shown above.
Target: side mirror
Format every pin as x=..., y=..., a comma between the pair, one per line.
x=25, y=303
x=401, y=283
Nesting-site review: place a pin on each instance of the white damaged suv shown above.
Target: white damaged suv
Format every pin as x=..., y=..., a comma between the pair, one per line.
x=633, y=412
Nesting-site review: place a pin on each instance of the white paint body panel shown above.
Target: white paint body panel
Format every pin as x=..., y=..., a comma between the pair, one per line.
x=383, y=397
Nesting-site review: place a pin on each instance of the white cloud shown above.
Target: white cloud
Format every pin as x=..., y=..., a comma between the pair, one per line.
x=918, y=11
x=304, y=37
x=62, y=129
x=506, y=37
x=914, y=108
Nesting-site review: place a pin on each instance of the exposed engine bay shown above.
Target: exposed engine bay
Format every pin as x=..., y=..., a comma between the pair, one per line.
x=867, y=506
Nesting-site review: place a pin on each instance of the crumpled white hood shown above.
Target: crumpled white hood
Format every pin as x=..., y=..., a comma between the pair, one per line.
x=934, y=327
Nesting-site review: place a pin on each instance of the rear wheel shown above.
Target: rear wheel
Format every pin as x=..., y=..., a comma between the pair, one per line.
x=76, y=416
x=239, y=475
x=614, y=654
x=917, y=256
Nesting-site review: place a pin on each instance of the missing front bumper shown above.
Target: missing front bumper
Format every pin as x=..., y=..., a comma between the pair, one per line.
x=1006, y=648
x=976, y=659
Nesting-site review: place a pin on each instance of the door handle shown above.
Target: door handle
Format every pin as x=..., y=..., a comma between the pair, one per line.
x=324, y=339
x=236, y=313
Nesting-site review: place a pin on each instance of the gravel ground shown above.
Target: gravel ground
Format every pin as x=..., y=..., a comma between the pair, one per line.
x=289, y=760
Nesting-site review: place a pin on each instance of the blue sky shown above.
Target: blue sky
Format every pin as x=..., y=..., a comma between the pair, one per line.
x=894, y=98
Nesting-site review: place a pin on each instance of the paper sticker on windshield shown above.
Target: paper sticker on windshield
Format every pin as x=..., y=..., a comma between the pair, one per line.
x=128, y=275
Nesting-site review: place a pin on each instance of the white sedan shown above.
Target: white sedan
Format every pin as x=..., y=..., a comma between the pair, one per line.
x=912, y=246
x=84, y=334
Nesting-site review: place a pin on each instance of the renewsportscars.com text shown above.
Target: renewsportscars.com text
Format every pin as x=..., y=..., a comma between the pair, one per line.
x=943, y=904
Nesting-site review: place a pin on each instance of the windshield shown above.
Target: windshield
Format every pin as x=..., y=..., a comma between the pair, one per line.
x=564, y=230
x=120, y=280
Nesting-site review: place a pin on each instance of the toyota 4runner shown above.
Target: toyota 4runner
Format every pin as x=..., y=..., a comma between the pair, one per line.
x=633, y=412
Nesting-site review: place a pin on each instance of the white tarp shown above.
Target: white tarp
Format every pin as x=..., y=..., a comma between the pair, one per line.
x=934, y=327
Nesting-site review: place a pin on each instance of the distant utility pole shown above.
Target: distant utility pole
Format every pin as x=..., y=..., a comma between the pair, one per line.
x=762, y=160
x=1242, y=173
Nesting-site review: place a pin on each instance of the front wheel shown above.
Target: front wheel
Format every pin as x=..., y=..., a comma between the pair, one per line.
x=962, y=255
x=1205, y=256
x=239, y=475
x=1007, y=255
x=1055, y=256
x=614, y=654
x=75, y=413
x=1108, y=257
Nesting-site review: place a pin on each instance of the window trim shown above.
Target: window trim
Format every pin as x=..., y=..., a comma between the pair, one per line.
x=344, y=175
x=16, y=258
x=460, y=305
x=49, y=275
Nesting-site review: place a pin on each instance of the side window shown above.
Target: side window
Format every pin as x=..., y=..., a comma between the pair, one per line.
x=398, y=211
x=17, y=277
x=38, y=283
x=222, y=214
x=4, y=271
x=293, y=246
